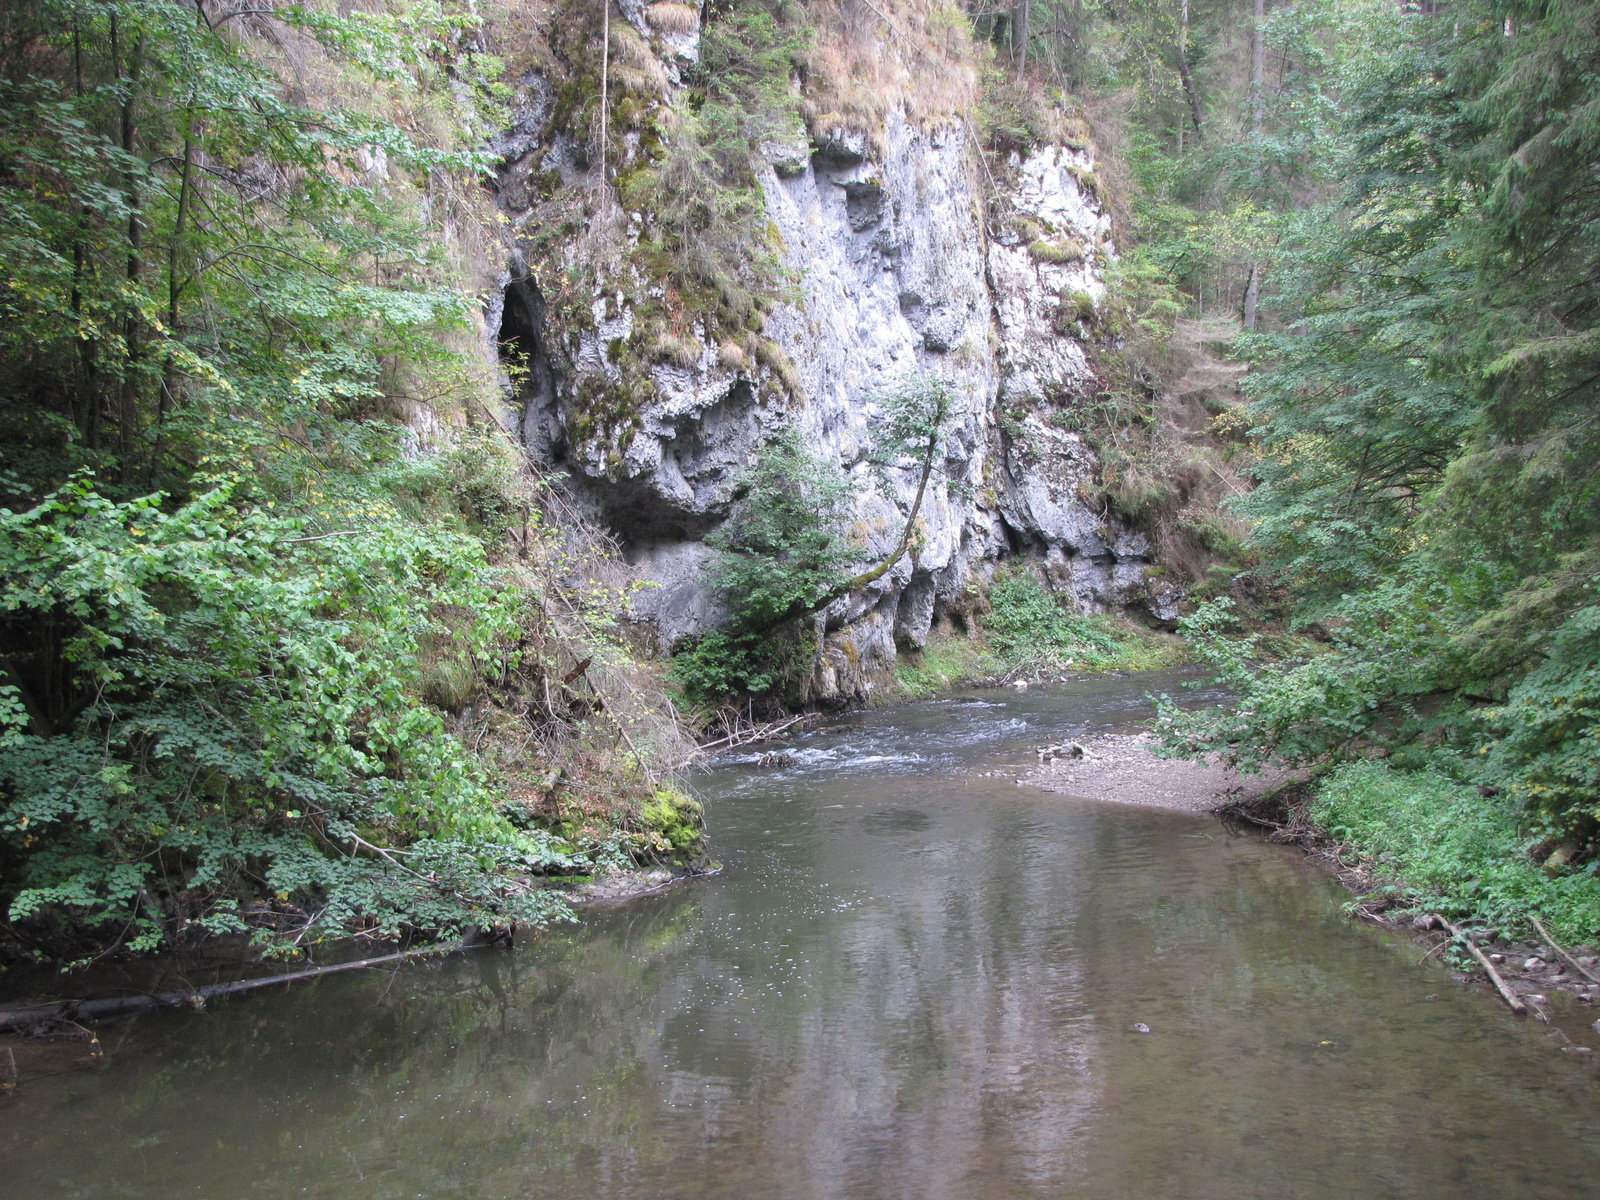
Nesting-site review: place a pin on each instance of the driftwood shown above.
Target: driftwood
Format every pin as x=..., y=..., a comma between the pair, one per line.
x=24, y=1015
x=1506, y=994
x=1556, y=946
x=755, y=733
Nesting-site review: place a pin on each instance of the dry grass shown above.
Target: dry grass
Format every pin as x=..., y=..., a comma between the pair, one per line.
x=431, y=398
x=673, y=18
x=870, y=58
x=680, y=351
x=634, y=65
x=1061, y=251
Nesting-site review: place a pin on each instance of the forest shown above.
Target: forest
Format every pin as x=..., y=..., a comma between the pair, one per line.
x=296, y=644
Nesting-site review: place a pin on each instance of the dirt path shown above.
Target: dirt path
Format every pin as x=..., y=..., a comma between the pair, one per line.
x=1123, y=769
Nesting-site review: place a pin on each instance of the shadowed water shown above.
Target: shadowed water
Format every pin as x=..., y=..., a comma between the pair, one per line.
x=913, y=980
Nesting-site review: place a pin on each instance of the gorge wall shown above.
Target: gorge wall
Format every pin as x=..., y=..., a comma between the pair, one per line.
x=905, y=253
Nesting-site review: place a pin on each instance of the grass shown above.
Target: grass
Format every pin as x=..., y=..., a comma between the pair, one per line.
x=1442, y=846
x=1061, y=251
x=973, y=659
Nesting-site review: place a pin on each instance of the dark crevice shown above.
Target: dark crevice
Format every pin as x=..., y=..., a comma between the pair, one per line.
x=523, y=353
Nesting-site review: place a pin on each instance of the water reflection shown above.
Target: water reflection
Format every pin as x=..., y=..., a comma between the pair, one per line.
x=913, y=980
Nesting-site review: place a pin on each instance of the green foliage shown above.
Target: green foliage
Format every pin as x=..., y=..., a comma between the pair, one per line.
x=1543, y=744
x=225, y=691
x=234, y=709
x=1428, y=490
x=201, y=266
x=721, y=664
x=1028, y=623
x=1448, y=848
x=1306, y=710
x=784, y=544
x=915, y=412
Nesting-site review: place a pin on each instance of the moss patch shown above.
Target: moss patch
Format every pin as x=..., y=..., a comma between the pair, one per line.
x=671, y=828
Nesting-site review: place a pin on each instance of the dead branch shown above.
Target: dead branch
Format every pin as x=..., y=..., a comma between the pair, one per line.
x=756, y=733
x=1506, y=994
x=71, y=1011
x=1556, y=946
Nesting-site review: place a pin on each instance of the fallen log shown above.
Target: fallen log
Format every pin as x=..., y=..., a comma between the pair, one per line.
x=23, y=1015
x=1557, y=947
x=1506, y=994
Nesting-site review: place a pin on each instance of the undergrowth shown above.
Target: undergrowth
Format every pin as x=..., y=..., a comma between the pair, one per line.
x=1443, y=846
x=1029, y=632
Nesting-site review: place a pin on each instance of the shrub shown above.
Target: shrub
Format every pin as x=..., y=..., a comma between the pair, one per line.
x=722, y=664
x=236, y=709
x=1026, y=621
x=784, y=543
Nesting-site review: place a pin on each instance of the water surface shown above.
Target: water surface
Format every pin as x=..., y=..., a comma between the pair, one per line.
x=914, y=979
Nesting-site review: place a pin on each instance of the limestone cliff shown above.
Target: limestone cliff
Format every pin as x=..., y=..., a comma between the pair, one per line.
x=906, y=253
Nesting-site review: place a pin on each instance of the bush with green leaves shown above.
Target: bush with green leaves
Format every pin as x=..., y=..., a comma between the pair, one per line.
x=1027, y=622
x=234, y=712
x=784, y=545
x=719, y=664
x=238, y=596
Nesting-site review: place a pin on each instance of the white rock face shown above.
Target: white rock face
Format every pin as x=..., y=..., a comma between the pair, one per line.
x=1029, y=291
x=898, y=275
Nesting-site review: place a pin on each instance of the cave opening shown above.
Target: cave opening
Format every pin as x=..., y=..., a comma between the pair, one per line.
x=524, y=357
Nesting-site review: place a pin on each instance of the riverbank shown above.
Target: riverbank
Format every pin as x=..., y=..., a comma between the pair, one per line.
x=1124, y=769
x=1024, y=651
x=1406, y=886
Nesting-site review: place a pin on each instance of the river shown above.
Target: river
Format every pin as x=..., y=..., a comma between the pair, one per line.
x=914, y=980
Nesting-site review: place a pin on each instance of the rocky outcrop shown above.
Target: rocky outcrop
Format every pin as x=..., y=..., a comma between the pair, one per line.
x=897, y=272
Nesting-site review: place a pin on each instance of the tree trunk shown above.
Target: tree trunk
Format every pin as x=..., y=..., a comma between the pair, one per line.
x=1184, y=75
x=127, y=408
x=1258, y=112
x=1258, y=67
x=24, y=1015
x=605, y=91
x=89, y=402
x=1021, y=36
x=169, y=374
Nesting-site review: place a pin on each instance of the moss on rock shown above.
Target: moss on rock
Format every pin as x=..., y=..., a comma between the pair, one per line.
x=672, y=828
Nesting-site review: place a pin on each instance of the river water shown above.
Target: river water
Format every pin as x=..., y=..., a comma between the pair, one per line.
x=914, y=979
